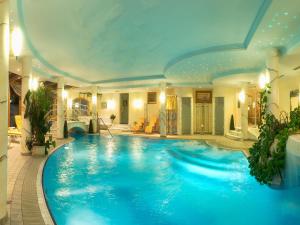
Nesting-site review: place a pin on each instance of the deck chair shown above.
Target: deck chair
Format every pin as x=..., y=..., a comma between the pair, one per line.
x=14, y=132
x=150, y=127
x=139, y=125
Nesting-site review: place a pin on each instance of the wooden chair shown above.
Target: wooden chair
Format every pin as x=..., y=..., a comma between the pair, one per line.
x=16, y=132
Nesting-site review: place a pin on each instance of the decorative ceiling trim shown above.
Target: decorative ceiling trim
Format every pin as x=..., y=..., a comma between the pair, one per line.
x=293, y=44
x=38, y=55
x=236, y=71
x=130, y=86
x=42, y=72
x=229, y=47
x=35, y=52
x=191, y=84
x=126, y=79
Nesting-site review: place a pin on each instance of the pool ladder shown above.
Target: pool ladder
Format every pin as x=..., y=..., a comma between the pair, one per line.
x=105, y=126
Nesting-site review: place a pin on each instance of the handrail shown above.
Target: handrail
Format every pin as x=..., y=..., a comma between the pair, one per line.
x=106, y=126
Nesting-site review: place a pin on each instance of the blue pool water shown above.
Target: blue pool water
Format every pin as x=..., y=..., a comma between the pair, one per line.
x=132, y=180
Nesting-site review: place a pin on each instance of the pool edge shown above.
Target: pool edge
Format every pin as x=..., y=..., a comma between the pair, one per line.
x=43, y=205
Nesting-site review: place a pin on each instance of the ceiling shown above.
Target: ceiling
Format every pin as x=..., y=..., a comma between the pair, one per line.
x=140, y=42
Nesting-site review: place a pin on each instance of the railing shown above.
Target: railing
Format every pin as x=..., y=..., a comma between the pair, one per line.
x=105, y=126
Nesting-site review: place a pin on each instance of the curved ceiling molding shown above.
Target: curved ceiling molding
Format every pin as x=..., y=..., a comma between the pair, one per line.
x=50, y=66
x=237, y=71
x=230, y=47
x=35, y=52
x=127, y=79
x=42, y=72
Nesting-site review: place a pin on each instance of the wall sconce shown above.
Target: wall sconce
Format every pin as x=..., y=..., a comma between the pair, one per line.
x=64, y=94
x=264, y=79
x=137, y=103
x=162, y=97
x=242, y=96
x=111, y=104
x=17, y=41
x=33, y=84
x=70, y=103
x=94, y=99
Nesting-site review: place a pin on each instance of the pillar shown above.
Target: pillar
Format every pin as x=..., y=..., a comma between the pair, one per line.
x=26, y=128
x=272, y=64
x=94, y=107
x=162, y=111
x=179, y=115
x=4, y=58
x=244, y=114
x=69, y=108
x=60, y=109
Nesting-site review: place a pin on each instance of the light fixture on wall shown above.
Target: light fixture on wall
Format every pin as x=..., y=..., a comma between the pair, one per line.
x=242, y=96
x=264, y=79
x=162, y=97
x=64, y=94
x=70, y=103
x=111, y=104
x=137, y=103
x=17, y=41
x=33, y=83
x=94, y=99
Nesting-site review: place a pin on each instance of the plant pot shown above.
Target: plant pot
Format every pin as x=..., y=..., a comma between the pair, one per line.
x=38, y=151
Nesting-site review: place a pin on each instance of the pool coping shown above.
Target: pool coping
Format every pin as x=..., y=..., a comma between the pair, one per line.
x=43, y=205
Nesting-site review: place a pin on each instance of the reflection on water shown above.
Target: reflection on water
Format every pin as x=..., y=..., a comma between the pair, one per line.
x=110, y=150
x=66, y=173
x=136, y=153
x=93, y=164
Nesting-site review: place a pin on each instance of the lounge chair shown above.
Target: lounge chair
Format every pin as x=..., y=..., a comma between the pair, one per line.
x=150, y=127
x=15, y=132
x=138, y=126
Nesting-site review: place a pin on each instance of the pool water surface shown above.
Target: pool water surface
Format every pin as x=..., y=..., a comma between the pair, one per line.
x=96, y=180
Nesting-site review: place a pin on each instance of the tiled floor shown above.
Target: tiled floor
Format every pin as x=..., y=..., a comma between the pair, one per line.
x=23, y=202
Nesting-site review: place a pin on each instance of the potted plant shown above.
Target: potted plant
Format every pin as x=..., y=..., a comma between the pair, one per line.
x=66, y=134
x=38, y=107
x=91, y=127
x=112, y=118
x=232, y=127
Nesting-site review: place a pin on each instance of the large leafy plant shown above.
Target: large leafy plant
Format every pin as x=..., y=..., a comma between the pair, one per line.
x=38, y=108
x=267, y=155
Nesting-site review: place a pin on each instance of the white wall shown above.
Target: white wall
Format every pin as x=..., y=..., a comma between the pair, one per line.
x=105, y=113
x=287, y=84
x=146, y=111
x=135, y=113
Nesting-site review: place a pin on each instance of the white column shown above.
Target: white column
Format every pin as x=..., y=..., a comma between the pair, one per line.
x=179, y=115
x=162, y=112
x=244, y=114
x=26, y=128
x=272, y=64
x=94, y=107
x=4, y=57
x=69, y=107
x=60, y=109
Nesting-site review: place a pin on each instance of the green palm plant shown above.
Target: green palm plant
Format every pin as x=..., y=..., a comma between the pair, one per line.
x=38, y=108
